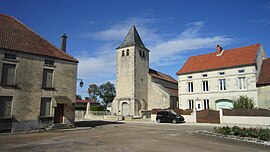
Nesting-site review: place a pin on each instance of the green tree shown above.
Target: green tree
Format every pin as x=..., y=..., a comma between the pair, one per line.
x=107, y=92
x=86, y=98
x=93, y=91
x=243, y=102
x=78, y=97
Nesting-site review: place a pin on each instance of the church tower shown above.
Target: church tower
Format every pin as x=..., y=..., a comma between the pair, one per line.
x=131, y=76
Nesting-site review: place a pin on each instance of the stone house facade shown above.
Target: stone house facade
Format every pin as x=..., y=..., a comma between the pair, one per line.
x=212, y=81
x=38, y=80
x=139, y=88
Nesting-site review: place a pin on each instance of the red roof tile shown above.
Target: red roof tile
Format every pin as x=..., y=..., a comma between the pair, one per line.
x=15, y=35
x=162, y=76
x=264, y=78
x=229, y=58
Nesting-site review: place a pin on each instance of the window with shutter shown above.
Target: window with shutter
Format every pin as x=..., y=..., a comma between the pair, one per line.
x=5, y=106
x=8, y=74
x=45, y=107
x=47, y=78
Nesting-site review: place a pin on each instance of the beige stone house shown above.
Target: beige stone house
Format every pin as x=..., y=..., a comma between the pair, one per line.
x=37, y=80
x=139, y=88
x=212, y=81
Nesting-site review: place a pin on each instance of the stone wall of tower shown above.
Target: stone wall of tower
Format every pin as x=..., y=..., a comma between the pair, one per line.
x=141, y=76
x=125, y=73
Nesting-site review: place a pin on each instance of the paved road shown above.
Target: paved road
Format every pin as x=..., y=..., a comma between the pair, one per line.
x=125, y=137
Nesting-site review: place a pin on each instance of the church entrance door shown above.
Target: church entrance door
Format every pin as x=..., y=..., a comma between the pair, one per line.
x=124, y=109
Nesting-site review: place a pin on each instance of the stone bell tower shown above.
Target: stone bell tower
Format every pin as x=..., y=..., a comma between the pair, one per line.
x=131, y=76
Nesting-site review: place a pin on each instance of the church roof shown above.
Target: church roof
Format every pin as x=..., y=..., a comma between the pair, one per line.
x=162, y=76
x=15, y=35
x=264, y=78
x=132, y=38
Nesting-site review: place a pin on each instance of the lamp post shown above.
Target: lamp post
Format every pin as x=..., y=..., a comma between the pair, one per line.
x=81, y=83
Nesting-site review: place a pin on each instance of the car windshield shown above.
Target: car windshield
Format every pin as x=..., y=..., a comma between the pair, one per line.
x=171, y=111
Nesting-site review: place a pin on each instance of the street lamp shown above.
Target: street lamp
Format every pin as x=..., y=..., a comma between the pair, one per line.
x=81, y=83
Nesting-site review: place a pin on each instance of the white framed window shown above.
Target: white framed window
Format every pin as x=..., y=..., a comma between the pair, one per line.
x=204, y=75
x=127, y=52
x=190, y=86
x=221, y=73
x=242, y=83
x=205, y=86
x=242, y=71
x=190, y=104
x=206, y=103
x=123, y=53
x=222, y=84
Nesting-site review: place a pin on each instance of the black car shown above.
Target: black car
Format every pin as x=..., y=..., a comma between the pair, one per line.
x=169, y=116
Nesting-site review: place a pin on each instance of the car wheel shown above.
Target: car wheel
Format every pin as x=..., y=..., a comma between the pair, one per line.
x=174, y=121
x=159, y=121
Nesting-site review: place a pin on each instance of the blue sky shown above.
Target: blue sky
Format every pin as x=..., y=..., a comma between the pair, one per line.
x=173, y=30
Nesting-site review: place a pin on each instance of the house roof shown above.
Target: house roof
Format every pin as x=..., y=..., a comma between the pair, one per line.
x=162, y=76
x=132, y=38
x=264, y=78
x=15, y=35
x=229, y=58
x=86, y=101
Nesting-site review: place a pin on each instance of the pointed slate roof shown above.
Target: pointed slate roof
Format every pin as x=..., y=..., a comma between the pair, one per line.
x=132, y=38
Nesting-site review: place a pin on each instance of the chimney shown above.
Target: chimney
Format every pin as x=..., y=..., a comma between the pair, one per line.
x=219, y=49
x=64, y=42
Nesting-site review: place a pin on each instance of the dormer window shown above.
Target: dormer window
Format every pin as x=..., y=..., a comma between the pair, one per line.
x=127, y=52
x=49, y=62
x=123, y=53
x=10, y=56
x=221, y=73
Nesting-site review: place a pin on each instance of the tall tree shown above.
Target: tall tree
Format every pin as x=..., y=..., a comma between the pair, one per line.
x=107, y=92
x=93, y=91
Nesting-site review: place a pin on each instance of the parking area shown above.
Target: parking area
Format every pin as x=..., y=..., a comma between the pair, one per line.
x=124, y=137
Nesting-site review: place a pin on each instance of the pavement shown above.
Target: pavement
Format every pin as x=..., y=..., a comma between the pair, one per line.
x=125, y=136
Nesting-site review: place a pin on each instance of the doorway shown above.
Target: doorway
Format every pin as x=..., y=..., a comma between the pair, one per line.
x=59, y=113
x=125, y=109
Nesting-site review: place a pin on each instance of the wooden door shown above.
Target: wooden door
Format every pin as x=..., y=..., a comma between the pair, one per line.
x=59, y=113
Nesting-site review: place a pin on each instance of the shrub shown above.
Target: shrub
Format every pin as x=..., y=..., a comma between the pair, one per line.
x=264, y=134
x=236, y=130
x=243, y=102
x=226, y=130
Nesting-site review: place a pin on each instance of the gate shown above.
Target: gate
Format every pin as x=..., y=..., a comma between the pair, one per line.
x=207, y=116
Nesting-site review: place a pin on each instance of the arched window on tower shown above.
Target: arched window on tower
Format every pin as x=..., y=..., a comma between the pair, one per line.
x=143, y=55
x=140, y=52
x=127, y=52
x=123, y=53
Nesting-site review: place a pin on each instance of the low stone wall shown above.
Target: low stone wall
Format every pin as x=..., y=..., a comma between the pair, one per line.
x=246, y=120
x=80, y=114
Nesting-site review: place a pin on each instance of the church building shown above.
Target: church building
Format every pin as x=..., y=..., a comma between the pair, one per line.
x=139, y=88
